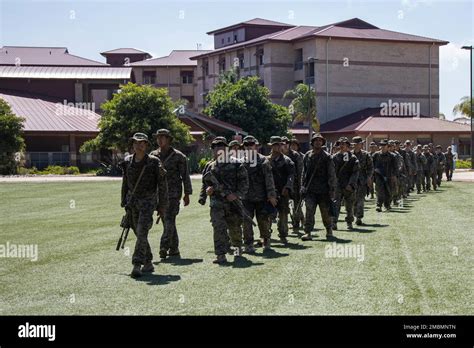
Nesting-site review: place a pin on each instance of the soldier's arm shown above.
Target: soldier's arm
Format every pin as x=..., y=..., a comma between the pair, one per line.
x=291, y=175
x=269, y=182
x=304, y=173
x=162, y=187
x=370, y=166
x=242, y=182
x=202, y=192
x=332, y=179
x=355, y=174
x=185, y=176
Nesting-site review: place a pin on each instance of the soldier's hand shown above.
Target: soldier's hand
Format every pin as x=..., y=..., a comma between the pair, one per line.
x=369, y=182
x=231, y=197
x=161, y=211
x=186, y=200
x=349, y=188
x=210, y=191
x=273, y=201
x=285, y=192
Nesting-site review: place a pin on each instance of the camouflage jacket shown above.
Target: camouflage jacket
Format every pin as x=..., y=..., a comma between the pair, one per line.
x=385, y=164
x=232, y=178
x=420, y=162
x=408, y=164
x=347, y=169
x=283, y=170
x=430, y=163
x=261, y=184
x=366, y=166
x=449, y=159
x=402, y=170
x=152, y=184
x=177, y=172
x=297, y=159
x=412, y=163
x=441, y=160
x=324, y=177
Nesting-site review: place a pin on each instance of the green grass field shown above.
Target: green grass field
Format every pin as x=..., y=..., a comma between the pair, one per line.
x=418, y=260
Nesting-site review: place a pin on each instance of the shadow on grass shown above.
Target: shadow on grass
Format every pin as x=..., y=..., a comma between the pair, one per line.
x=362, y=230
x=292, y=246
x=176, y=261
x=374, y=225
x=334, y=240
x=271, y=254
x=243, y=262
x=158, y=279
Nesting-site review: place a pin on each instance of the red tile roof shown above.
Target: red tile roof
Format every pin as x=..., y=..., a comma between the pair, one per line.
x=49, y=56
x=43, y=114
x=175, y=58
x=66, y=72
x=252, y=22
x=370, y=121
x=354, y=28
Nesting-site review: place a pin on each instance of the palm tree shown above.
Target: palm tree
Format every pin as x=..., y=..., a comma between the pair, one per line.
x=303, y=106
x=463, y=107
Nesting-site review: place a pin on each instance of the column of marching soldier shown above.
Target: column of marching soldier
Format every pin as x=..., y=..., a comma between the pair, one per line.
x=270, y=188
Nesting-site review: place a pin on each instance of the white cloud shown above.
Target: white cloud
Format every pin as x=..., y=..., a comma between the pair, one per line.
x=451, y=55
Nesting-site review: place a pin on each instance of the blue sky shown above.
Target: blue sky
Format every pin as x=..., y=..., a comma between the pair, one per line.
x=89, y=27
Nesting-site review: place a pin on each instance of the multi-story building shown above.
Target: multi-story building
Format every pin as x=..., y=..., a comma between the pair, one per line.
x=352, y=64
x=176, y=72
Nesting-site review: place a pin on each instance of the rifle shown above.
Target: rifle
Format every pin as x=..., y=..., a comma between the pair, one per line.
x=384, y=179
x=237, y=202
x=125, y=224
x=305, y=187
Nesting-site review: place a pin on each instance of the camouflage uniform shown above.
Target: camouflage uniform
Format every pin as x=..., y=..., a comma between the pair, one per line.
x=283, y=170
x=449, y=167
x=261, y=188
x=441, y=161
x=177, y=175
x=385, y=171
x=408, y=170
x=434, y=169
x=420, y=176
x=428, y=169
x=322, y=186
x=366, y=171
x=297, y=159
x=346, y=166
x=225, y=216
x=412, y=167
x=399, y=183
x=151, y=193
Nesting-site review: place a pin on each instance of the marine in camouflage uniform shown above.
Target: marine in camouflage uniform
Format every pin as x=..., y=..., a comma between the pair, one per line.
x=150, y=193
x=429, y=168
x=441, y=162
x=233, y=184
x=385, y=172
x=177, y=176
x=407, y=170
x=397, y=184
x=434, y=169
x=283, y=170
x=365, y=177
x=449, y=167
x=318, y=186
x=297, y=159
x=346, y=166
x=420, y=175
x=411, y=165
x=372, y=149
x=260, y=200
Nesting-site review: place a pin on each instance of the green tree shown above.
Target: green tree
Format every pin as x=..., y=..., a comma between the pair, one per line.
x=11, y=140
x=303, y=105
x=137, y=109
x=245, y=103
x=463, y=107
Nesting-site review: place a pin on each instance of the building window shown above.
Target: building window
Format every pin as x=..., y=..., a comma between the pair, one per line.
x=149, y=77
x=187, y=77
x=260, y=59
x=228, y=39
x=299, y=59
x=464, y=148
x=240, y=56
x=205, y=67
x=222, y=41
x=221, y=64
x=310, y=74
x=235, y=38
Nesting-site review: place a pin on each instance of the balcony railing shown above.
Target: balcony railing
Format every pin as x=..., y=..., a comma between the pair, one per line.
x=309, y=80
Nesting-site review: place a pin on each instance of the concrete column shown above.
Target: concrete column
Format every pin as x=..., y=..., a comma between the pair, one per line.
x=72, y=150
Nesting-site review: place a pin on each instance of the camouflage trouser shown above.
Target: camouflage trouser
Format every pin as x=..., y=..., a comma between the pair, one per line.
x=349, y=198
x=449, y=172
x=394, y=187
x=384, y=196
x=420, y=183
x=427, y=179
x=434, y=180
x=360, y=200
x=371, y=187
x=263, y=221
x=225, y=217
x=298, y=216
x=283, y=208
x=439, y=176
x=169, y=239
x=311, y=202
x=142, y=221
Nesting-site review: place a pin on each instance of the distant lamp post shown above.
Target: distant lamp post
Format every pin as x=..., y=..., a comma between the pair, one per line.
x=471, y=87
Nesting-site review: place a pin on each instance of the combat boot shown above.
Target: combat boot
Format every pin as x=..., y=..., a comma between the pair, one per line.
x=359, y=222
x=136, y=272
x=148, y=268
x=174, y=253
x=349, y=226
x=306, y=237
x=334, y=226
x=163, y=253
x=220, y=259
x=258, y=243
x=266, y=244
x=283, y=240
x=249, y=249
x=379, y=209
x=329, y=234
